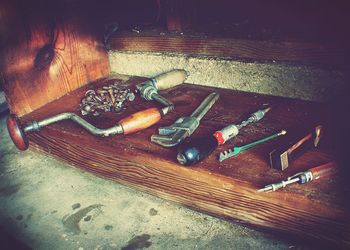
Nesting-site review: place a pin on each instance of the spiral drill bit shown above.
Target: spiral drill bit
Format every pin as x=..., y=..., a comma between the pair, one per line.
x=232, y=130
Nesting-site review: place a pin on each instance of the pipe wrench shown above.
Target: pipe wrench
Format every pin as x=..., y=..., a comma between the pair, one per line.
x=185, y=126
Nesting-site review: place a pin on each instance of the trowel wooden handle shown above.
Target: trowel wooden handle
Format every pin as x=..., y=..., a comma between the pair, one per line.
x=140, y=120
x=16, y=132
x=170, y=79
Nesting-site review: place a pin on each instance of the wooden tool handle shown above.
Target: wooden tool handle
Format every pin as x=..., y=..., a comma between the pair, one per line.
x=170, y=79
x=324, y=170
x=140, y=120
x=16, y=132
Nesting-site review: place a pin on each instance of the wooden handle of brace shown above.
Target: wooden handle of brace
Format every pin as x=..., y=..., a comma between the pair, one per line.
x=140, y=120
x=170, y=79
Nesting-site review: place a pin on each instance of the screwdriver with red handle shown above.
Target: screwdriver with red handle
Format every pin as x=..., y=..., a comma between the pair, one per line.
x=314, y=173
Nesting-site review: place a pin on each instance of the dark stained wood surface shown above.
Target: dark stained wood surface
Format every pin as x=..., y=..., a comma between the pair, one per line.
x=179, y=14
x=48, y=49
x=316, y=211
x=324, y=54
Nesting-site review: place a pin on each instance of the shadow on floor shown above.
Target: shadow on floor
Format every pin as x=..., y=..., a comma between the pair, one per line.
x=8, y=242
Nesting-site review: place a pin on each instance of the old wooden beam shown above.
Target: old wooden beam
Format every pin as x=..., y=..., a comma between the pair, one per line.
x=47, y=51
x=179, y=14
x=316, y=211
x=324, y=54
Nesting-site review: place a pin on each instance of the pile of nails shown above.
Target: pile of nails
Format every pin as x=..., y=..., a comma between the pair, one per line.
x=111, y=98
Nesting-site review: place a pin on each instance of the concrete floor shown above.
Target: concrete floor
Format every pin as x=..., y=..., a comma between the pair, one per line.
x=46, y=204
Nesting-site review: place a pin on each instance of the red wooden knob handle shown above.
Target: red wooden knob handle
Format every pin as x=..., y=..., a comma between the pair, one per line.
x=16, y=132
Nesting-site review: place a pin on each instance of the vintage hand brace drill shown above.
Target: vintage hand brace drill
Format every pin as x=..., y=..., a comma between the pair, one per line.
x=131, y=124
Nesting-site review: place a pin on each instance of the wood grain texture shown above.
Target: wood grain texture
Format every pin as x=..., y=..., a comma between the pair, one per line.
x=316, y=211
x=49, y=49
x=179, y=14
x=234, y=48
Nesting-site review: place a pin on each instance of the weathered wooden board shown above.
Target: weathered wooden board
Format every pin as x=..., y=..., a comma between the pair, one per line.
x=48, y=49
x=315, y=211
x=324, y=54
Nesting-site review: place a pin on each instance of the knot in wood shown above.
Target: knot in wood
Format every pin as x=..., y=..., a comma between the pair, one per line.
x=44, y=57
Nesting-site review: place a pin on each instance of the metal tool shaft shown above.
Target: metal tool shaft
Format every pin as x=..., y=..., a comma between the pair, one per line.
x=236, y=150
x=205, y=106
x=35, y=126
x=276, y=186
x=314, y=173
x=185, y=126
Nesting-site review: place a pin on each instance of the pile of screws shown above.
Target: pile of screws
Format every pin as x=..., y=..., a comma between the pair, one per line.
x=111, y=98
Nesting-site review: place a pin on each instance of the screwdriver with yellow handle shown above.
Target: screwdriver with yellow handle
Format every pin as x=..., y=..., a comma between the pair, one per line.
x=131, y=124
x=314, y=173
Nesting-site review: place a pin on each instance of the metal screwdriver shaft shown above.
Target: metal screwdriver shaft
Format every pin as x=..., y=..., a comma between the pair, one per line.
x=314, y=173
x=236, y=150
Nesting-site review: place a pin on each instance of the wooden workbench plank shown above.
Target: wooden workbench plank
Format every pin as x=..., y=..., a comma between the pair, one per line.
x=225, y=189
x=211, y=193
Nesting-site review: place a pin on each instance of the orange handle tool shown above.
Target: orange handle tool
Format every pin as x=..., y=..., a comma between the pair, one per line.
x=140, y=120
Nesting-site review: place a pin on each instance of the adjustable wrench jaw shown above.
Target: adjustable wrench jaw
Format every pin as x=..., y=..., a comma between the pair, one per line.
x=172, y=135
x=185, y=126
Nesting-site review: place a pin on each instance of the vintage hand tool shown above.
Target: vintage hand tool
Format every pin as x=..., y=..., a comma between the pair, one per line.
x=131, y=124
x=196, y=150
x=113, y=98
x=236, y=150
x=149, y=89
x=185, y=126
x=291, y=148
x=314, y=173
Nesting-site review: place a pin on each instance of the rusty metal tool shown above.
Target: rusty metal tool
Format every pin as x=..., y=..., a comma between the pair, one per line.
x=314, y=173
x=185, y=126
x=149, y=89
x=236, y=150
x=131, y=124
x=293, y=147
x=114, y=97
x=111, y=98
x=198, y=149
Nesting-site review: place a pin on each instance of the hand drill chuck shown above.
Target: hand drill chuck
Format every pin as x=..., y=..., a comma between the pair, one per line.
x=149, y=89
